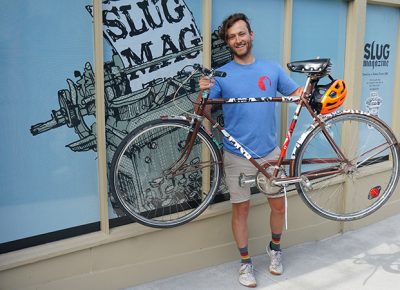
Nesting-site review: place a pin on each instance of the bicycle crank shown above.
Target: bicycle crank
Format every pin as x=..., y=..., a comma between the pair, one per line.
x=305, y=182
x=274, y=185
x=264, y=184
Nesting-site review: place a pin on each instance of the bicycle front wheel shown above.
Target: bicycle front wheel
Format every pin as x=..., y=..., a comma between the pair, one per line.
x=149, y=184
x=358, y=188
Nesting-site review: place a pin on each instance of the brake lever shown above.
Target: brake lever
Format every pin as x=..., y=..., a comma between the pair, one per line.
x=209, y=72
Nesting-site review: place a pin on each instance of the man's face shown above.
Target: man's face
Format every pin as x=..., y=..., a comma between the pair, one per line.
x=239, y=39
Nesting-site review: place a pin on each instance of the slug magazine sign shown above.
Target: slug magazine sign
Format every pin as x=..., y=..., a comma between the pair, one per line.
x=379, y=59
x=151, y=37
x=376, y=66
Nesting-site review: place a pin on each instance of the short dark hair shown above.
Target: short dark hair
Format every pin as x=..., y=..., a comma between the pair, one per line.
x=229, y=21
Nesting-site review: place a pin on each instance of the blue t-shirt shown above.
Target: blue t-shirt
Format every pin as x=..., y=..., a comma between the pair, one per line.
x=253, y=125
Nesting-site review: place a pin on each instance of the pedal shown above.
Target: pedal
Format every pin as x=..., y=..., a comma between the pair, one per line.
x=247, y=180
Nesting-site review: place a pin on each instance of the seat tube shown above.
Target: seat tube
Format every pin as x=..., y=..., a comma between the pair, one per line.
x=290, y=131
x=294, y=121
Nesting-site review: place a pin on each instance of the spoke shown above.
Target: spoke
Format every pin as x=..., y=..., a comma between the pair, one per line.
x=184, y=169
x=358, y=165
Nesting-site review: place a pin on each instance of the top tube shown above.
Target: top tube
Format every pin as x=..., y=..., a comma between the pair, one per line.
x=284, y=99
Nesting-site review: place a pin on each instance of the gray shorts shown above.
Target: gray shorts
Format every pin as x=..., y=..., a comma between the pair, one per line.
x=235, y=165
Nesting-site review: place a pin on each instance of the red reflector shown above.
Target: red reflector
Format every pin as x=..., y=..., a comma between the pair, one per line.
x=374, y=192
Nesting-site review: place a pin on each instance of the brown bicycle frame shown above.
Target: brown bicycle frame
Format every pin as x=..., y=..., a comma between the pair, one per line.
x=201, y=113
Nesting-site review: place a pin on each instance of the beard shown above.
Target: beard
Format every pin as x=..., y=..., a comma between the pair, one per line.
x=242, y=52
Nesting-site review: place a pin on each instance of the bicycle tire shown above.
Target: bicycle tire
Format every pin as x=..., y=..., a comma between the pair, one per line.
x=372, y=177
x=140, y=182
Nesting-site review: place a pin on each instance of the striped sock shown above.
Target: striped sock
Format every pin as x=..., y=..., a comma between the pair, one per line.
x=244, y=255
x=275, y=243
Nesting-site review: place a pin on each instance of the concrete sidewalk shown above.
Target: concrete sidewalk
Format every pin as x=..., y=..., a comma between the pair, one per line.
x=368, y=258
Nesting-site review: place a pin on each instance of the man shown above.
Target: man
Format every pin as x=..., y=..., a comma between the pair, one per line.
x=253, y=125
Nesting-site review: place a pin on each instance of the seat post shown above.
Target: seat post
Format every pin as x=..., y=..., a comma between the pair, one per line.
x=308, y=81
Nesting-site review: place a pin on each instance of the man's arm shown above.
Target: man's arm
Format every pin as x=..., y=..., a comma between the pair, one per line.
x=297, y=92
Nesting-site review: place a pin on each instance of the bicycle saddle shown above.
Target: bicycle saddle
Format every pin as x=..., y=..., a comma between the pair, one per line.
x=319, y=65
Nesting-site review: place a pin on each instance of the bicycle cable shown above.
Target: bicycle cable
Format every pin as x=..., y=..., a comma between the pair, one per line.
x=178, y=89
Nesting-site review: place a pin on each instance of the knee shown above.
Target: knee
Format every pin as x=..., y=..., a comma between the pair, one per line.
x=240, y=211
x=278, y=208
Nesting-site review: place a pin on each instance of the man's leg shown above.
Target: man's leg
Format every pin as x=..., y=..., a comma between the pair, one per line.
x=239, y=196
x=277, y=220
x=277, y=217
x=240, y=213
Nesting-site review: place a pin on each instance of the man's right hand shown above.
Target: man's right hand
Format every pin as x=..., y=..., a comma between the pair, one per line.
x=205, y=83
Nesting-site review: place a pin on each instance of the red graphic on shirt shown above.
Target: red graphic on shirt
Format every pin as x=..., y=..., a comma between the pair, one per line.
x=262, y=81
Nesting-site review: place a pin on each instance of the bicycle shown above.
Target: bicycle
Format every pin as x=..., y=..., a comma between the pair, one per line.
x=167, y=171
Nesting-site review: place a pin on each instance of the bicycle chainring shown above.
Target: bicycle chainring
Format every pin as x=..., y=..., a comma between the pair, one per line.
x=265, y=185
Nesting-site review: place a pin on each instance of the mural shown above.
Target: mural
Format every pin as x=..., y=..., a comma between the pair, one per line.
x=153, y=46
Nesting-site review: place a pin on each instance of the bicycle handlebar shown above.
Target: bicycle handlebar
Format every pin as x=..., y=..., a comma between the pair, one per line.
x=209, y=72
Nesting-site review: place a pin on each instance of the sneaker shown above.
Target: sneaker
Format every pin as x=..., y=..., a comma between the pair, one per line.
x=275, y=266
x=246, y=275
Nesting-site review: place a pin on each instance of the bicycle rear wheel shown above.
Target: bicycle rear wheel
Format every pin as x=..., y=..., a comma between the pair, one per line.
x=361, y=187
x=148, y=191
